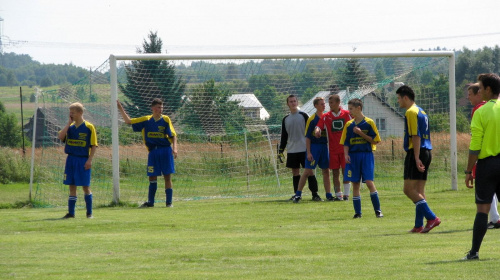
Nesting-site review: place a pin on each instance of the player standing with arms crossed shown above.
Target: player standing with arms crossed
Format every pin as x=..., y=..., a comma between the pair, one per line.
x=293, y=129
x=161, y=141
x=417, y=144
x=81, y=144
x=333, y=122
x=359, y=137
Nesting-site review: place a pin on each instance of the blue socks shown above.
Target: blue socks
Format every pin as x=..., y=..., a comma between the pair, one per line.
x=169, y=193
x=375, y=201
x=298, y=193
x=423, y=210
x=72, y=205
x=356, y=202
x=153, y=185
x=88, y=203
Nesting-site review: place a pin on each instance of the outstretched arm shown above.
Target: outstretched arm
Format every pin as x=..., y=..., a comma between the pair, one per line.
x=124, y=114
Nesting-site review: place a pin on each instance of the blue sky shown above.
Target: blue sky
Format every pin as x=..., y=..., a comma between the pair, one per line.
x=85, y=33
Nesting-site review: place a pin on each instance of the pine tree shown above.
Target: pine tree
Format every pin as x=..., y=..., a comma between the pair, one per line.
x=149, y=79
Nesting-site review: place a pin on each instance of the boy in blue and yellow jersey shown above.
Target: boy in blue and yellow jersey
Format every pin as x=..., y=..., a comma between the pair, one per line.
x=417, y=144
x=81, y=144
x=485, y=150
x=316, y=152
x=161, y=141
x=359, y=137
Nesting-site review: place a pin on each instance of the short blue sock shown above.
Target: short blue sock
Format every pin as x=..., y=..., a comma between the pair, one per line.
x=375, y=201
x=88, y=203
x=356, y=202
x=169, y=193
x=152, y=192
x=329, y=195
x=298, y=193
x=425, y=210
x=72, y=204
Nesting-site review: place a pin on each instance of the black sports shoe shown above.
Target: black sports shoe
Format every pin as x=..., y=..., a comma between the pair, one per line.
x=492, y=225
x=297, y=199
x=68, y=216
x=292, y=198
x=345, y=197
x=146, y=205
x=356, y=216
x=338, y=198
x=331, y=198
x=316, y=198
x=379, y=214
x=470, y=256
x=89, y=216
x=169, y=205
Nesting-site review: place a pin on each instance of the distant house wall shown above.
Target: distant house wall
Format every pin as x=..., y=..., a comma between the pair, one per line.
x=375, y=109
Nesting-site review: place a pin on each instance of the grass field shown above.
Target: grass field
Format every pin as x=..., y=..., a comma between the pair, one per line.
x=265, y=238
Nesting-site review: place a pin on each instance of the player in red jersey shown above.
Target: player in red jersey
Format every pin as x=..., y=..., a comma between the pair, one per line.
x=333, y=122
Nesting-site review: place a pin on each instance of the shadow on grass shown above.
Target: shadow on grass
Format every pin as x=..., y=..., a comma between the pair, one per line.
x=459, y=261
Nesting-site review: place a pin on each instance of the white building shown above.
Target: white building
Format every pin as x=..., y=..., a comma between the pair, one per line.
x=389, y=121
x=251, y=106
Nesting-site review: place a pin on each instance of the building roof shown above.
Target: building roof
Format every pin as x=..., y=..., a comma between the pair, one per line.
x=249, y=100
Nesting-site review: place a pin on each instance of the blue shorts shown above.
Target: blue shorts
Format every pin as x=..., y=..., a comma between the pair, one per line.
x=75, y=173
x=362, y=166
x=160, y=161
x=320, y=157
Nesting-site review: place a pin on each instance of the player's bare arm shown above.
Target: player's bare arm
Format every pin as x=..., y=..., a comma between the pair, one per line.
x=415, y=139
x=174, y=146
x=124, y=114
x=88, y=164
x=359, y=132
x=64, y=131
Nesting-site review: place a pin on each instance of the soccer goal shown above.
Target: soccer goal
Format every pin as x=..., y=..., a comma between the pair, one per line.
x=227, y=111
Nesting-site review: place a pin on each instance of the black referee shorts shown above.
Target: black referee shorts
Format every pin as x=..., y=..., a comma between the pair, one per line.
x=487, y=179
x=411, y=171
x=295, y=160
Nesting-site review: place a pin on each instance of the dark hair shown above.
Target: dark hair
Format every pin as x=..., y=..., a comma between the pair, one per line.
x=335, y=97
x=356, y=102
x=474, y=88
x=156, y=101
x=291, y=96
x=406, y=91
x=490, y=80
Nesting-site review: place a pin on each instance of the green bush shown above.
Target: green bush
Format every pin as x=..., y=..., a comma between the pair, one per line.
x=14, y=167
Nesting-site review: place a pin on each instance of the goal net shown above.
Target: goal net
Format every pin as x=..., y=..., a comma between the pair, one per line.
x=227, y=111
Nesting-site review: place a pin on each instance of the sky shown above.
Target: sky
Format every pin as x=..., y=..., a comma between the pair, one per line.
x=85, y=33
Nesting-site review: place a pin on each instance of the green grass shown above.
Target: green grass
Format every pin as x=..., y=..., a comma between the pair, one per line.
x=265, y=238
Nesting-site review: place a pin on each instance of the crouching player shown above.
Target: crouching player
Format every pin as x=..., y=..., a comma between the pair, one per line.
x=81, y=144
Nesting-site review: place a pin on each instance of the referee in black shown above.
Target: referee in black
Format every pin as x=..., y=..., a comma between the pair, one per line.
x=485, y=149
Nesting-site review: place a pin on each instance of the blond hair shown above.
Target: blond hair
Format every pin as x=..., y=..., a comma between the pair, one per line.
x=77, y=106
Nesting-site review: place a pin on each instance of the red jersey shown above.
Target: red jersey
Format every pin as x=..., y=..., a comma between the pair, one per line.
x=477, y=107
x=334, y=125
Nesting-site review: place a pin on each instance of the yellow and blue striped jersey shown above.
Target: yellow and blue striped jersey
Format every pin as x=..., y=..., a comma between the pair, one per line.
x=79, y=139
x=417, y=124
x=155, y=133
x=357, y=143
x=310, y=126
